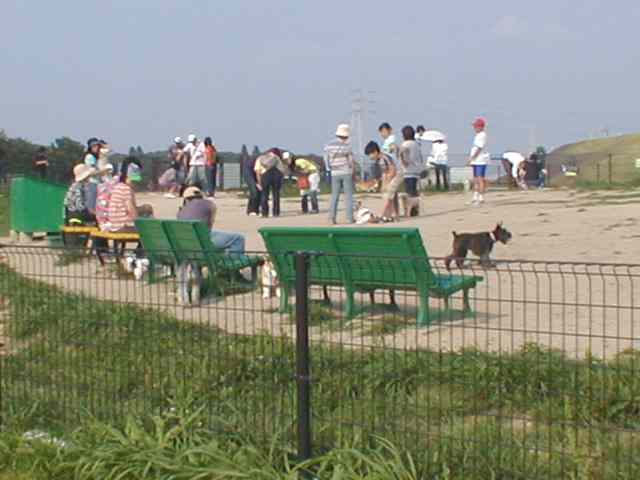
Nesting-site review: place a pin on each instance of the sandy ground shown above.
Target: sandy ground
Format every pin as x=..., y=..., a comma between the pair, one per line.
x=579, y=309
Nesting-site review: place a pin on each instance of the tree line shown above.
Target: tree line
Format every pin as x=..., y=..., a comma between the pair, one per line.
x=17, y=154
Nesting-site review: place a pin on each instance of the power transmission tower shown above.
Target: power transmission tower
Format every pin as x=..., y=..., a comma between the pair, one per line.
x=360, y=110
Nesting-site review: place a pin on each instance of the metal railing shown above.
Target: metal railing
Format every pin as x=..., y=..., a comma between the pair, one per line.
x=539, y=379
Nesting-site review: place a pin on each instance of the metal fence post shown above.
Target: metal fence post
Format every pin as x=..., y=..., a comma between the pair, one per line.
x=303, y=379
x=610, y=169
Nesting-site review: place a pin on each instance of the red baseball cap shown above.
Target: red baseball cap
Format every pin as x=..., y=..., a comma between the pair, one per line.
x=480, y=122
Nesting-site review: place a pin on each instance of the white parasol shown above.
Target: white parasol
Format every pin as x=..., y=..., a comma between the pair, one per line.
x=433, y=136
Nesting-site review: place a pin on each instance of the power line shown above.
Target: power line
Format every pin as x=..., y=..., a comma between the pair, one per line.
x=360, y=111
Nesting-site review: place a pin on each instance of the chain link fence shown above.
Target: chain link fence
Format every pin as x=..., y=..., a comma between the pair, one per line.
x=596, y=169
x=537, y=377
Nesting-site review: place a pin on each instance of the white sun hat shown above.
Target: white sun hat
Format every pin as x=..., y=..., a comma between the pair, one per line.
x=433, y=136
x=343, y=130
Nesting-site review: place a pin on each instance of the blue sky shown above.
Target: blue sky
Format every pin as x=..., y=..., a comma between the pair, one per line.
x=282, y=72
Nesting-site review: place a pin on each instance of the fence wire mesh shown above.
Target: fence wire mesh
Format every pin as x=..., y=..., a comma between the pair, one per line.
x=535, y=376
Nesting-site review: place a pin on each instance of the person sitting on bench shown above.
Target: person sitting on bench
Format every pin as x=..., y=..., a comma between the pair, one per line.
x=75, y=201
x=122, y=210
x=198, y=208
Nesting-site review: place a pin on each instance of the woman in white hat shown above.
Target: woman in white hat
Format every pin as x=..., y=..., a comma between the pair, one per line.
x=338, y=159
x=76, y=207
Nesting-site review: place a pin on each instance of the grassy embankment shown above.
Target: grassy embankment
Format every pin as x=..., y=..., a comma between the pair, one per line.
x=134, y=392
x=596, y=169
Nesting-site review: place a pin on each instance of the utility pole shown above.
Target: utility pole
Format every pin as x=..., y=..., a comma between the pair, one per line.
x=360, y=110
x=532, y=138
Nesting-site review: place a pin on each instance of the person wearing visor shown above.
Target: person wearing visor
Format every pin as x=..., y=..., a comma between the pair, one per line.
x=90, y=159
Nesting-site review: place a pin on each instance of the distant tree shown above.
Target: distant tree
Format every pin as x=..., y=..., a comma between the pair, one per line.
x=132, y=151
x=244, y=160
x=256, y=152
x=64, y=153
x=139, y=151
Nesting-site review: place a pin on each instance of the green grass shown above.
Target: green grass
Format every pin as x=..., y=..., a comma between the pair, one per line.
x=594, y=162
x=130, y=387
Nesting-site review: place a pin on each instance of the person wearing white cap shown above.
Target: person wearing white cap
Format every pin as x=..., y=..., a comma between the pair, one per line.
x=338, y=158
x=76, y=206
x=197, y=164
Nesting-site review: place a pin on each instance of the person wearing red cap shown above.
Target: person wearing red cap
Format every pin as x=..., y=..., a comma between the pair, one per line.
x=479, y=159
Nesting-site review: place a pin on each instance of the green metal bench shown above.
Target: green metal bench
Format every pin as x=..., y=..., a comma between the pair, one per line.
x=157, y=246
x=364, y=259
x=178, y=242
x=191, y=243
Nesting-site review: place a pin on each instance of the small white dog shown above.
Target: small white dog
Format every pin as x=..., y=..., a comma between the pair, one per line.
x=270, y=282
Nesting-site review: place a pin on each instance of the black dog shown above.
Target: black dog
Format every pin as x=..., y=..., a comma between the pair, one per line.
x=481, y=244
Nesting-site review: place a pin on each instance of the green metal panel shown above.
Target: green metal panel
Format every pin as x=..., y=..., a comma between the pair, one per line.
x=36, y=205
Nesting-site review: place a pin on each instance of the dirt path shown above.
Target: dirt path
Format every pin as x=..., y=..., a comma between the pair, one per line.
x=580, y=310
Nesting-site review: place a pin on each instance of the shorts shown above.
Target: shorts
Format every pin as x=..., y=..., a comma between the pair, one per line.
x=479, y=171
x=390, y=189
x=411, y=186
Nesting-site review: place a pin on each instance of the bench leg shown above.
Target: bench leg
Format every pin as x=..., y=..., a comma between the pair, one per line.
x=151, y=273
x=466, y=304
x=349, y=305
x=392, y=298
x=424, y=318
x=325, y=295
x=284, y=298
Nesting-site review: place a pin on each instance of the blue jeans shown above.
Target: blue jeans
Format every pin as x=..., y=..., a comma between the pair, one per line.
x=212, y=178
x=338, y=184
x=228, y=241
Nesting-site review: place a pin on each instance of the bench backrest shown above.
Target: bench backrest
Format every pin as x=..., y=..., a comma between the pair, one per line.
x=186, y=238
x=155, y=241
x=357, y=256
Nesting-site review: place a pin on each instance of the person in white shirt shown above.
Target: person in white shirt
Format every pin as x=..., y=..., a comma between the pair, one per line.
x=513, y=163
x=439, y=158
x=479, y=160
x=389, y=144
x=197, y=166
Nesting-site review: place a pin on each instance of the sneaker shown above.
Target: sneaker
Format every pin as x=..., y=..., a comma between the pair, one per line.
x=253, y=214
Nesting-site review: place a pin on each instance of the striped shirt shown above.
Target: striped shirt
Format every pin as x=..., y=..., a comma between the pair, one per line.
x=338, y=157
x=122, y=212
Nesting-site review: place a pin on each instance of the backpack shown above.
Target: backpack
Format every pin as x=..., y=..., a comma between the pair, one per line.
x=102, y=201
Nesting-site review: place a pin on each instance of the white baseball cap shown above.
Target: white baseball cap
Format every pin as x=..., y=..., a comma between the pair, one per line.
x=177, y=140
x=286, y=155
x=192, y=138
